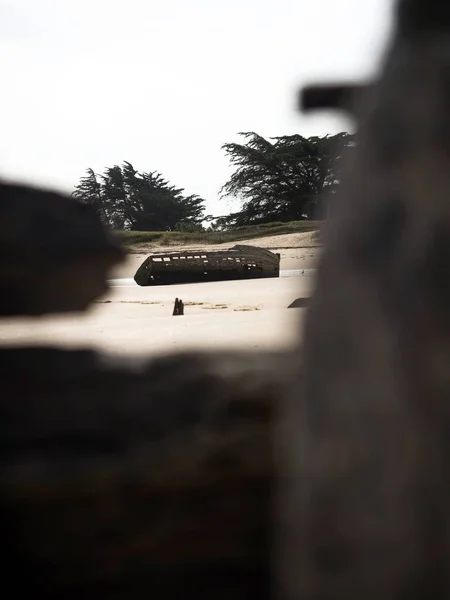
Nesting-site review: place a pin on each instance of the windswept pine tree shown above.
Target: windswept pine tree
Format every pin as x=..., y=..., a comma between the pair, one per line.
x=128, y=199
x=282, y=179
x=89, y=190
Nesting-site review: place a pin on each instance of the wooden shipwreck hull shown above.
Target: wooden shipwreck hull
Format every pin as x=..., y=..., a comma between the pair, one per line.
x=239, y=262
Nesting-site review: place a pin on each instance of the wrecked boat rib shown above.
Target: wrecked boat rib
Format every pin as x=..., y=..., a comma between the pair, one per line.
x=189, y=266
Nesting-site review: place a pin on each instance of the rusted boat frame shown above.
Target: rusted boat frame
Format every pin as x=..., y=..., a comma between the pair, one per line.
x=192, y=266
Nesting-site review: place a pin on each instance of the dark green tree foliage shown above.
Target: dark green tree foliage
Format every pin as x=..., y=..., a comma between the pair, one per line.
x=282, y=179
x=115, y=200
x=127, y=199
x=89, y=190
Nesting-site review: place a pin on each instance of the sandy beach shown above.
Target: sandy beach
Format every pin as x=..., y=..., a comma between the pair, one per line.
x=244, y=314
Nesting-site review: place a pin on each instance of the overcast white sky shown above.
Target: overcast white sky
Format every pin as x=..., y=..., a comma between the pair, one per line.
x=163, y=84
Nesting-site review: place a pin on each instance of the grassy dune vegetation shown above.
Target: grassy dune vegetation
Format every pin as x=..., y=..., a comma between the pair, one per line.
x=134, y=239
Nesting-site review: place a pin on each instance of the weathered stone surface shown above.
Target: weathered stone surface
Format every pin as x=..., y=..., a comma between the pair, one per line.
x=366, y=440
x=339, y=96
x=54, y=252
x=123, y=476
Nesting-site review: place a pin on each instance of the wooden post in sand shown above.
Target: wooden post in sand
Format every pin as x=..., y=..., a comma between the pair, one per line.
x=178, y=307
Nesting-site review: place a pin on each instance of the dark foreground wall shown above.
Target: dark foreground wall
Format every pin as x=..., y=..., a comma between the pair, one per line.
x=122, y=477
